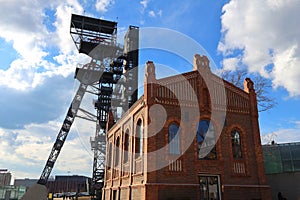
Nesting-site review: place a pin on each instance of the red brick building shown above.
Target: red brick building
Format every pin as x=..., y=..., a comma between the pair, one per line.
x=190, y=136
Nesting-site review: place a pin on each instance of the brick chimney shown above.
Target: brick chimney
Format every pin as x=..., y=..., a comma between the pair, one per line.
x=201, y=63
x=149, y=82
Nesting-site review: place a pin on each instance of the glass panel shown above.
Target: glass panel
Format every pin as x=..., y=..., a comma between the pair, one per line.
x=272, y=160
x=296, y=154
x=236, y=144
x=174, y=144
x=117, y=151
x=109, y=157
x=209, y=188
x=139, y=139
x=203, y=188
x=206, y=140
x=126, y=146
x=285, y=153
x=287, y=166
x=296, y=165
x=213, y=188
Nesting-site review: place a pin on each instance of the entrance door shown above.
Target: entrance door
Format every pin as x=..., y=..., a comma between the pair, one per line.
x=209, y=187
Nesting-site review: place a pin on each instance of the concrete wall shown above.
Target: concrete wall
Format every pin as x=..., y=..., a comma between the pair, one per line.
x=286, y=183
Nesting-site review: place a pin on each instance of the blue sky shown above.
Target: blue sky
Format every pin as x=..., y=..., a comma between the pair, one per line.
x=38, y=59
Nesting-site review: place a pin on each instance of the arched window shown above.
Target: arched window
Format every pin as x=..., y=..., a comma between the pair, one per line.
x=174, y=144
x=139, y=139
x=126, y=146
x=236, y=144
x=109, y=157
x=206, y=140
x=117, y=151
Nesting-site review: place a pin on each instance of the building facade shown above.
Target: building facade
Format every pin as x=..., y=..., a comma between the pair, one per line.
x=190, y=136
x=282, y=166
x=11, y=192
x=25, y=182
x=65, y=184
x=5, y=177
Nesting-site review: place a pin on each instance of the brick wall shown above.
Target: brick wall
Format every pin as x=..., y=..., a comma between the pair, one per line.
x=178, y=176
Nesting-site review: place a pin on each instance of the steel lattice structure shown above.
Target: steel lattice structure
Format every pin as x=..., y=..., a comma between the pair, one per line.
x=110, y=62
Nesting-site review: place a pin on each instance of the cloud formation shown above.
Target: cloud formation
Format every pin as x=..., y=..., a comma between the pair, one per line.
x=102, y=5
x=144, y=4
x=154, y=14
x=264, y=36
x=38, y=85
x=33, y=40
x=26, y=149
x=283, y=135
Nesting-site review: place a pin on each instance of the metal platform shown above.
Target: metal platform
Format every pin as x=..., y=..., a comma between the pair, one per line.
x=94, y=37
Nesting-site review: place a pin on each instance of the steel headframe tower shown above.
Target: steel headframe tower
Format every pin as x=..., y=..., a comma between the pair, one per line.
x=98, y=39
x=110, y=62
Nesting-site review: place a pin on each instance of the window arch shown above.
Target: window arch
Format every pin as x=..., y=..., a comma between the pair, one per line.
x=117, y=151
x=139, y=139
x=109, y=157
x=126, y=146
x=236, y=144
x=206, y=140
x=174, y=139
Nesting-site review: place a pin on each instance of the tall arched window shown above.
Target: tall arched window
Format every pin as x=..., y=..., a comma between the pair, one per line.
x=236, y=144
x=109, y=157
x=139, y=139
x=126, y=146
x=174, y=144
x=206, y=140
x=117, y=151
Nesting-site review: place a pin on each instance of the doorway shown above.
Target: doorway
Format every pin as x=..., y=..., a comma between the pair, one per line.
x=209, y=187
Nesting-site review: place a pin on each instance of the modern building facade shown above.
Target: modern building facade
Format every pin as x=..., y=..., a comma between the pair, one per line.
x=25, y=182
x=190, y=136
x=65, y=184
x=11, y=192
x=5, y=177
x=282, y=166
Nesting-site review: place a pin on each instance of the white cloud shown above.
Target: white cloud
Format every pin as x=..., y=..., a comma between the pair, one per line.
x=231, y=63
x=151, y=13
x=23, y=149
x=28, y=149
x=159, y=13
x=24, y=28
x=287, y=73
x=31, y=39
x=144, y=4
x=154, y=14
x=266, y=35
x=102, y=5
x=283, y=135
x=62, y=37
x=142, y=22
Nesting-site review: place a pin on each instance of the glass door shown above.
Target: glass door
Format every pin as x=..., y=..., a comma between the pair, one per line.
x=209, y=187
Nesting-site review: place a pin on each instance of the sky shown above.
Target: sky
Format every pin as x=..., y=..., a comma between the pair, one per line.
x=38, y=59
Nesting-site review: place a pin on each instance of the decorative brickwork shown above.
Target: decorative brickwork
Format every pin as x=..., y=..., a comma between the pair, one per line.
x=159, y=173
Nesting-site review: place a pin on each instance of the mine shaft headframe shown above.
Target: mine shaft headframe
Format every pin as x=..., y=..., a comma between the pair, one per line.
x=94, y=37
